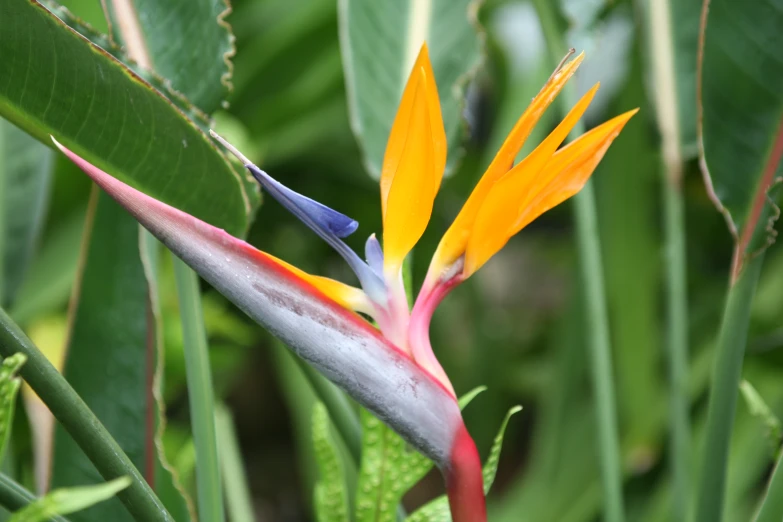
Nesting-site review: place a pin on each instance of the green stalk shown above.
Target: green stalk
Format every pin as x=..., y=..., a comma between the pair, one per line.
x=200, y=394
x=81, y=423
x=589, y=248
x=13, y=496
x=238, y=499
x=730, y=352
x=771, y=509
x=677, y=340
x=600, y=353
x=661, y=45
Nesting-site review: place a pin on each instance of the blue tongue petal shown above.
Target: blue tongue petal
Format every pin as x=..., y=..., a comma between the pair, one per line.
x=314, y=214
x=373, y=253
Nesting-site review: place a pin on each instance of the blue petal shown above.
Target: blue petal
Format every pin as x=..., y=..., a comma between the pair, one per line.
x=320, y=215
x=329, y=224
x=374, y=255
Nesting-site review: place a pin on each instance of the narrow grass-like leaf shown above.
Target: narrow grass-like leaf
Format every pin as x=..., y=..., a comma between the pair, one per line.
x=13, y=496
x=9, y=389
x=239, y=501
x=759, y=409
x=66, y=501
x=103, y=110
x=330, y=494
x=25, y=174
x=730, y=351
x=200, y=394
x=380, y=41
x=771, y=509
x=437, y=510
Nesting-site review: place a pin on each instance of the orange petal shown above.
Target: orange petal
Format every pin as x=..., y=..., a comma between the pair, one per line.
x=455, y=240
x=413, y=188
x=345, y=295
x=571, y=167
x=401, y=126
x=500, y=209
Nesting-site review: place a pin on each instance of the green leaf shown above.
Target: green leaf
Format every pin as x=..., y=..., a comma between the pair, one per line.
x=330, y=495
x=380, y=41
x=759, y=409
x=25, y=174
x=112, y=357
x=389, y=467
x=239, y=501
x=47, y=284
x=69, y=500
x=57, y=82
x=742, y=110
x=438, y=510
x=188, y=42
x=9, y=388
x=168, y=484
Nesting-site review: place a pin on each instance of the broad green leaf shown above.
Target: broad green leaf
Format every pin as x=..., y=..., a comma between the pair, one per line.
x=380, y=41
x=438, y=510
x=330, y=494
x=742, y=110
x=54, y=81
x=69, y=500
x=25, y=174
x=9, y=388
x=759, y=409
x=188, y=42
x=112, y=358
x=389, y=467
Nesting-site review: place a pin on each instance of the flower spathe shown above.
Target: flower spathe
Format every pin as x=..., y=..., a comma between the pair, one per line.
x=397, y=354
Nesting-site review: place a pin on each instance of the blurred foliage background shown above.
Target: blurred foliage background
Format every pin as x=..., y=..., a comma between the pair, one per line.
x=517, y=326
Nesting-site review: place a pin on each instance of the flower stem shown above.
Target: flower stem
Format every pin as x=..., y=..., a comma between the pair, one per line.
x=677, y=339
x=589, y=247
x=726, y=373
x=465, y=481
x=81, y=423
x=200, y=394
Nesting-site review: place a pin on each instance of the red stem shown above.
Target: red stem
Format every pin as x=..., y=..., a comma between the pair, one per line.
x=464, y=481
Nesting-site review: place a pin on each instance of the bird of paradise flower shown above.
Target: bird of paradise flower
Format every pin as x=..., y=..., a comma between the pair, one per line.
x=391, y=368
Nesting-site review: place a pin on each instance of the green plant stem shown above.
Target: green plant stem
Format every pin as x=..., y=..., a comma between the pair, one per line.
x=600, y=353
x=771, y=509
x=13, y=496
x=81, y=423
x=238, y=499
x=589, y=248
x=677, y=340
x=200, y=394
x=726, y=373
x=341, y=413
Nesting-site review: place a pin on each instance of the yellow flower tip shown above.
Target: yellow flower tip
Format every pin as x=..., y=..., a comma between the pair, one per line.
x=401, y=127
x=346, y=296
x=521, y=197
x=409, y=191
x=454, y=242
